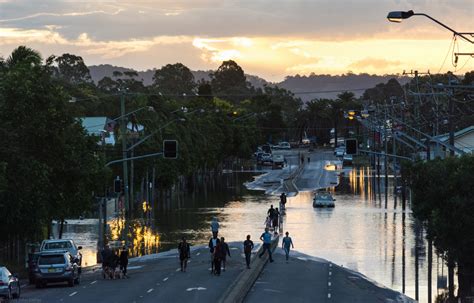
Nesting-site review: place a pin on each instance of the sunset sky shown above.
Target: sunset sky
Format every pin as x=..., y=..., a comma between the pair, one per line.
x=269, y=38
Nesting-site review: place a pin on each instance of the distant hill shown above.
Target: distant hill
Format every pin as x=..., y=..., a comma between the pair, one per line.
x=305, y=87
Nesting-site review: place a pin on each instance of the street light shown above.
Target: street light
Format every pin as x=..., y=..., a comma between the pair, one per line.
x=398, y=16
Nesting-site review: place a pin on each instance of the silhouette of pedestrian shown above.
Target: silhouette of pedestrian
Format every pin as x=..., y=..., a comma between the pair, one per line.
x=212, y=245
x=124, y=260
x=184, y=253
x=248, y=246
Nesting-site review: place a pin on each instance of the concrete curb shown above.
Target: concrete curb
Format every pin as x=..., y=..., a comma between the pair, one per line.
x=240, y=287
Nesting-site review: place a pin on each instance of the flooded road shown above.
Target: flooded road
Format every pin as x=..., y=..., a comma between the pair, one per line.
x=359, y=233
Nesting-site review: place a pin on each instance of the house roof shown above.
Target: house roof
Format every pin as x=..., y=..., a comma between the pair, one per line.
x=459, y=133
x=94, y=125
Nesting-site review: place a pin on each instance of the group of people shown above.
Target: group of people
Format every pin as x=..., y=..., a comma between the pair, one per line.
x=114, y=263
x=273, y=219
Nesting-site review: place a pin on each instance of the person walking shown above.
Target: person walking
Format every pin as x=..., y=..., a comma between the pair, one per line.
x=212, y=245
x=283, y=201
x=184, y=252
x=214, y=227
x=285, y=245
x=266, y=238
x=276, y=217
x=248, y=246
x=225, y=252
x=124, y=261
x=218, y=252
x=271, y=214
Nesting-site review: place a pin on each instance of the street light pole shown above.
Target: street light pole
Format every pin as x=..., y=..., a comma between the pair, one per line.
x=123, y=131
x=398, y=16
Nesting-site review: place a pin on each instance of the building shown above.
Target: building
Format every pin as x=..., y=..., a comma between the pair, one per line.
x=463, y=139
x=101, y=127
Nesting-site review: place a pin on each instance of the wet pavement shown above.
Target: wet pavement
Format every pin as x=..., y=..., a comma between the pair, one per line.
x=359, y=233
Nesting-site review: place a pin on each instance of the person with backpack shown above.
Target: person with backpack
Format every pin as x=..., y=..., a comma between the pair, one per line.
x=248, y=246
x=212, y=244
x=184, y=251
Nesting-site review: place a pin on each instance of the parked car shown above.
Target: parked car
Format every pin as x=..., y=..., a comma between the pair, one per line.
x=266, y=159
x=284, y=145
x=9, y=284
x=267, y=148
x=339, y=151
x=57, y=266
x=278, y=161
x=347, y=160
x=63, y=245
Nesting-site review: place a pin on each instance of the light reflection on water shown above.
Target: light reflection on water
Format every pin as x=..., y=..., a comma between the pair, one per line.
x=359, y=233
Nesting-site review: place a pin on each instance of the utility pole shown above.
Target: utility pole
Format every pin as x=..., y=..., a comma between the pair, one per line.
x=386, y=152
x=123, y=131
x=450, y=120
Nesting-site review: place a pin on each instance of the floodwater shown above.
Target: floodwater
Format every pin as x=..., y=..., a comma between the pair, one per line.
x=359, y=233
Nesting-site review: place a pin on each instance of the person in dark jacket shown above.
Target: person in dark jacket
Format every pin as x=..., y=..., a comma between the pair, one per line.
x=212, y=244
x=218, y=252
x=184, y=251
x=124, y=260
x=248, y=246
x=225, y=252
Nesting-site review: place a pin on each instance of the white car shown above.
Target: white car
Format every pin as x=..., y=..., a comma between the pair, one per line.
x=284, y=145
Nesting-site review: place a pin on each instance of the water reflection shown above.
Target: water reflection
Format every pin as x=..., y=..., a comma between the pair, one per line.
x=385, y=244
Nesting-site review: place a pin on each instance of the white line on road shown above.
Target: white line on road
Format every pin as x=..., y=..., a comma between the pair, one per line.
x=329, y=296
x=330, y=273
x=196, y=288
x=272, y=290
x=329, y=283
x=165, y=279
x=198, y=254
x=178, y=269
x=93, y=282
x=73, y=294
x=150, y=290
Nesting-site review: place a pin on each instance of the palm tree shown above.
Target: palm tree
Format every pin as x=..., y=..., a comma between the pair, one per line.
x=23, y=55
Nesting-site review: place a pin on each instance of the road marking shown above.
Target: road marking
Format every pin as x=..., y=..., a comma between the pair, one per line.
x=198, y=254
x=272, y=290
x=178, y=269
x=73, y=294
x=329, y=296
x=329, y=283
x=93, y=282
x=196, y=288
x=165, y=279
x=330, y=265
x=150, y=290
x=134, y=267
x=330, y=273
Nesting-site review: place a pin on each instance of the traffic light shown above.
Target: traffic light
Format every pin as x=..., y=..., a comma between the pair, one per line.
x=170, y=149
x=117, y=185
x=351, y=146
